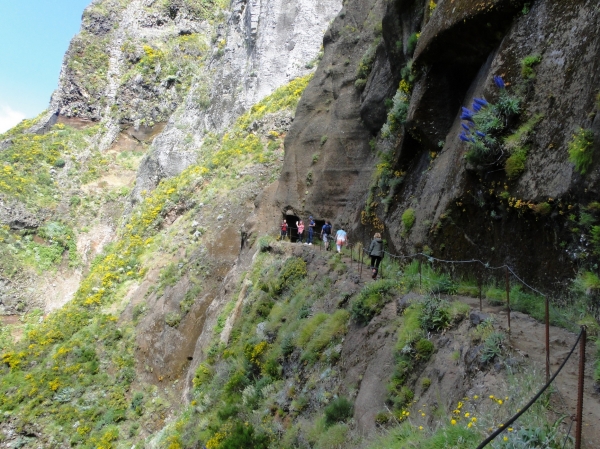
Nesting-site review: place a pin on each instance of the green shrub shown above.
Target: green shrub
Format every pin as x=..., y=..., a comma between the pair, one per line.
x=424, y=348
x=139, y=310
x=492, y=347
x=397, y=115
x=190, y=297
x=323, y=141
x=372, y=298
x=227, y=411
x=412, y=43
x=434, y=315
x=515, y=163
x=542, y=208
x=287, y=345
x=588, y=281
x=264, y=243
x=293, y=270
x=527, y=64
x=173, y=319
x=60, y=163
x=495, y=296
x=408, y=219
x=339, y=410
x=508, y=105
x=366, y=62
x=410, y=331
x=518, y=139
x=425, y=383
x=243, y=435
x=467, y=290
x=581, y=150
x=137, y=403
x=382, y=418
x=321, y=331
x=360, y=84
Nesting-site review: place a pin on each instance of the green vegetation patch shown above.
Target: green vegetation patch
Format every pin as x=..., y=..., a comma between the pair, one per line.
x=581, y=150
x=372, y=298
x=527, y=66
x=408, y=219
x=25, y=166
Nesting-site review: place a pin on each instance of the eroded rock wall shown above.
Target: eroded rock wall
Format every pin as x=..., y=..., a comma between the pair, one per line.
x=461, y=211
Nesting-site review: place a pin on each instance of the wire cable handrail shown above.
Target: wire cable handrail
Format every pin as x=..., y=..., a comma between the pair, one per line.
x=510, y=270
x=507, y=423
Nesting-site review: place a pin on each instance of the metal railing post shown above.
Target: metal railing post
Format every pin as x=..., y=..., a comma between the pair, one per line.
x=547, y=319
x=507, y=297
x=420, y=276
x=579, y=418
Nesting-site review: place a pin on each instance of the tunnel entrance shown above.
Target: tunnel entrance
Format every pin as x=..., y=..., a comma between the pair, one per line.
x=293, y=229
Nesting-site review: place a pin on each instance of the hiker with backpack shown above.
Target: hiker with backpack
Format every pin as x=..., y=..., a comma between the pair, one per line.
x=300, y=226
x=326, y=234
x=376, y=253
x=311, y=229
x=341, y=239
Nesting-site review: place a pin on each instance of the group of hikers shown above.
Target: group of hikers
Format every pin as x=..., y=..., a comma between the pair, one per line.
x=375, y=250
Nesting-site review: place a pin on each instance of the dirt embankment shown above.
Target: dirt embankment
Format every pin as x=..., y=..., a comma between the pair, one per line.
x=454, y=370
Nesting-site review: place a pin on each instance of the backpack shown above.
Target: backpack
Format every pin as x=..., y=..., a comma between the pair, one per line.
x=327, y=229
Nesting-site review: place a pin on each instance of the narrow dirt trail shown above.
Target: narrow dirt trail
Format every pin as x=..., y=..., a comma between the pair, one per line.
x=528, y=337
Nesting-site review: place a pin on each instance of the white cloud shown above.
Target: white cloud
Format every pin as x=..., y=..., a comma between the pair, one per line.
x=9, y=118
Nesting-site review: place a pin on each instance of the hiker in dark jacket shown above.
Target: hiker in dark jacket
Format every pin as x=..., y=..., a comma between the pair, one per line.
x=376, y=253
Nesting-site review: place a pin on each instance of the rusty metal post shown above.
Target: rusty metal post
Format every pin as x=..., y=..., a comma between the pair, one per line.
x=360, y=268
x=547, y=340
x=579, y=418
x=507, y=297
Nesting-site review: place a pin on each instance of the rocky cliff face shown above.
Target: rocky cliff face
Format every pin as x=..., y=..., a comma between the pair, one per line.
x=262, y=46
x=444, y=55
x=136, y=63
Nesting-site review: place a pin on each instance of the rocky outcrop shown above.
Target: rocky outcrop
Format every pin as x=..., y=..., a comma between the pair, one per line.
x=135, y=63
x=262, y=46
x=329, y=126
x=16, y=216
x=461, y=210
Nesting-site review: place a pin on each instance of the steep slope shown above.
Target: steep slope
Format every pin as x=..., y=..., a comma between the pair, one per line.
x=136, y=327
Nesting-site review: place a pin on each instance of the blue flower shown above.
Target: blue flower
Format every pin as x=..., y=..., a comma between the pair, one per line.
x=467, y=114
x=480, y=134
x=480, y=101
x=465, y=127
x=499, y=82
x=476, y=107
x=464, y=138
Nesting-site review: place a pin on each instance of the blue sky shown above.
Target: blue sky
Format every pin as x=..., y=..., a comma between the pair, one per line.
x=34, y=36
